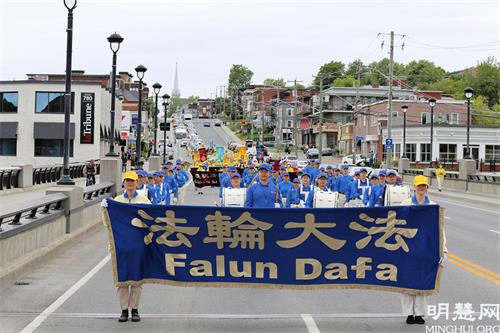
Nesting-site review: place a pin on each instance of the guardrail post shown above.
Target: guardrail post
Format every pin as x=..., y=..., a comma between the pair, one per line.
x=111, y=171
x=73, y=207
x=25, y=178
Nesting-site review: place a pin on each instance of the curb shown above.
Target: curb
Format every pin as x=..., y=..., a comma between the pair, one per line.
x=39, y=256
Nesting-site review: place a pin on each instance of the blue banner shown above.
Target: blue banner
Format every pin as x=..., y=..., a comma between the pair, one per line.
x=384, y=248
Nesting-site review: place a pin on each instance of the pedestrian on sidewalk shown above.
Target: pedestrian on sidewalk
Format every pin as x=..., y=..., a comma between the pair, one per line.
x=440, y=173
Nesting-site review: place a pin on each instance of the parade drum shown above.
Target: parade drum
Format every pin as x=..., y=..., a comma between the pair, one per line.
x=234, y=197
x=356, y=203
x=323, y=199
x=395, y=195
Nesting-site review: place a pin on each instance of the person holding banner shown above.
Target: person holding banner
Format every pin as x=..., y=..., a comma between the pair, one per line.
x=293, y=196
x=319, y=191
x=263, y=193
x=415, y=307
x=129, y=296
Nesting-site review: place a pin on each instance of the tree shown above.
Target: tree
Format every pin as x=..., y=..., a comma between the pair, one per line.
x=452, y=85
x=380, y=71
x=487, y=81
x=275, y=82
x=239, y=77
x=348, y=81
x=329, y=72
x=482, y=115
x=423, y=71
x=354, y=67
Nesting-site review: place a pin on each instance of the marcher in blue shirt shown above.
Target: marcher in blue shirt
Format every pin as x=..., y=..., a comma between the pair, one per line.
x=377, y=192
x=344, y=181
x=276, y=178
x=234, y=184
x=248, y=179
x=305, y=187
x=322, y=180
x=170, y=180
x=285, y=185
x=332, y=181
x=263, y=194
x=161, y=190
x=223, y=175
x=359, y=186
x=293, y=196
x=309, y=168
x=373, y=182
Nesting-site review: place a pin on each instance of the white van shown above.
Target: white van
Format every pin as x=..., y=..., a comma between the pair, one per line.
x=188, y=117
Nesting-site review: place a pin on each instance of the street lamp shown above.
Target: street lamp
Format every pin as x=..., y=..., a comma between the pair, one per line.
x=432, y=104
x=165, y=98
x=404, y=108
x=468, y=94
x=66, y=178
x=140, y=70
x=114, y=44
x=156, y=89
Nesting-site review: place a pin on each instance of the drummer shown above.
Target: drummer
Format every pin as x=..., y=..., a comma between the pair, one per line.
x=322, y=181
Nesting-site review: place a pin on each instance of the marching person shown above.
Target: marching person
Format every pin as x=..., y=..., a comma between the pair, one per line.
x=359, y=186
x=293, y=196
x=415, y=306
x=238, y=198
x=161, y=190
x=373, y=182
x=321, y=187
x=170, y=180
x=440, y=173
x=143, y=188
x=342, y=185
x=249, y=178
x=263, y=194
x=129, y=296
x=285, y=185
x=305, y=188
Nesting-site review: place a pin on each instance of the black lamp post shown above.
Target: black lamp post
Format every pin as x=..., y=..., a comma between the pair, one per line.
x=114, y=44
x=468, y=94
x=404, y=108
x=140, y=70
x=166, y=98
x=156, y=89
x=65, y=178
x=432, y=104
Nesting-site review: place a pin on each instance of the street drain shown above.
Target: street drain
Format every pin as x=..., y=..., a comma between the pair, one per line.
x=21, y=283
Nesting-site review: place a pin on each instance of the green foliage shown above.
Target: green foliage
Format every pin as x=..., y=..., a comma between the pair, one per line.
x=487, y=81
x=354, y=67
x=423, y=71
x=348, y=81
x=329, y=72
x=482, y=114
x=239, y=77
x=451, y=85
x=381, y=70
x=275, y=82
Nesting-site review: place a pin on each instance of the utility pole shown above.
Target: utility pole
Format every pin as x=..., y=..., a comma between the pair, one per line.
x=221, y=96
x=224, y=96
x=355, y=117
x=320, y=153
x=295, y=118
x=389, y=97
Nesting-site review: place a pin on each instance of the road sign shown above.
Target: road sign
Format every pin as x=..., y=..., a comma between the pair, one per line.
x=388, y=143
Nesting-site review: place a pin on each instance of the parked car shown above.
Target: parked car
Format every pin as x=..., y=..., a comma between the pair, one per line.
x=348, y=159
x=312, y=153
x=302, y=164
x=217, y=124
x=184, y=142
x=206, y=124
x=327, y=151
x=289, y=159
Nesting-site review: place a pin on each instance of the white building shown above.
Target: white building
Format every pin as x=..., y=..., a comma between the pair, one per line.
x=450, y=142
x=32, y=122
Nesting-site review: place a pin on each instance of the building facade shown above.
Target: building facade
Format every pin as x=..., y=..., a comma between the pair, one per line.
x=32, y=122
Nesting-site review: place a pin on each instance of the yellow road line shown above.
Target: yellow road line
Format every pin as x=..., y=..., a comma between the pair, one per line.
x=474, y=271
x=479, y=268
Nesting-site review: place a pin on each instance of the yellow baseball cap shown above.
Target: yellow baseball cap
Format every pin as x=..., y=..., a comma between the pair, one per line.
x=420, y=180
x=130, y=175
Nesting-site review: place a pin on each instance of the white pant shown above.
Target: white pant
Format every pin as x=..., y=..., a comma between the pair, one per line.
x=129, y=296
x=414, y=305
x=440, y=183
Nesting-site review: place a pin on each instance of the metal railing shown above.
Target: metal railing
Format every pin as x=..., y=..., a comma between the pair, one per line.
x=94, y=191
x=9, y=177
x=32, y=209
x=52, y=173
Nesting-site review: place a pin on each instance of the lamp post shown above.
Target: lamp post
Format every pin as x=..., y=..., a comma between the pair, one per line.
x=404, y=108
x=65, y=178
x=468, y=94
x=156, y=89
x=165, y=98
x=140, y=70
x=432, y=104
x=114, y=44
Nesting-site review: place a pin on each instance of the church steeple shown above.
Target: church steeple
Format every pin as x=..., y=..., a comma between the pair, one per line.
x=176, y=92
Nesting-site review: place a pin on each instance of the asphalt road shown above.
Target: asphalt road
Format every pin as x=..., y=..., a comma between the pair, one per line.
x=217, y=134
x=75, y=293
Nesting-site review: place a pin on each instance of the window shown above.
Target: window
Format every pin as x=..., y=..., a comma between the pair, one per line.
x=289, y=112
x=51, y=147
x=8, y=147
x=454, y=119
x=411, y=151
x=425, y=152
x=447, y=152
x=9, y=101
x=52, y=102
x=425, y=118
x=289, y=124
x=397, y=150
x=394, y=114
x=492, y=153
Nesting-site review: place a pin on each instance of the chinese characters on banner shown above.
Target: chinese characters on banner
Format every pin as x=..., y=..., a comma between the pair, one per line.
x=372, y=248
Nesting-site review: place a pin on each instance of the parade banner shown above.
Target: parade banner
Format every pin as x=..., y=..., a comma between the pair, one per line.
x=219, y=154
x=383, y=248
x=202, y=178
x=202, y=153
